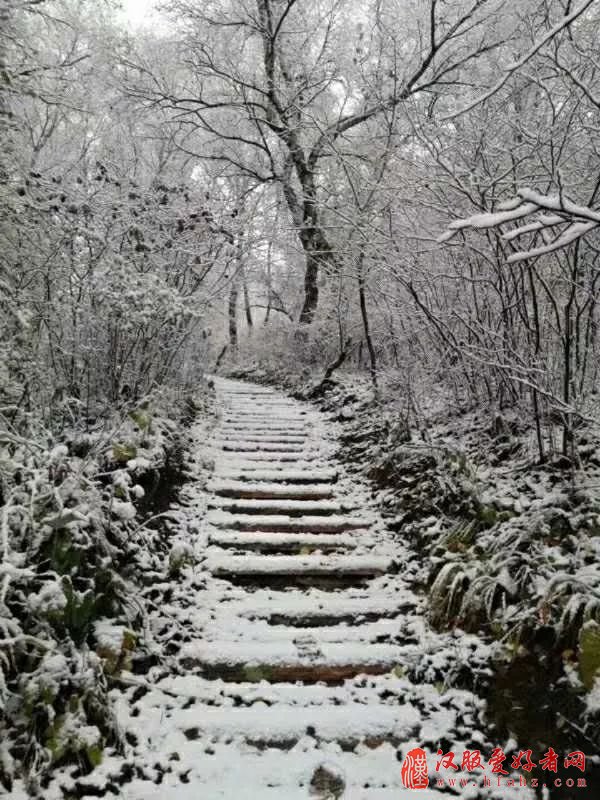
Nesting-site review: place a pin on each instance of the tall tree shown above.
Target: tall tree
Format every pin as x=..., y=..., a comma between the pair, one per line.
x=274, y=87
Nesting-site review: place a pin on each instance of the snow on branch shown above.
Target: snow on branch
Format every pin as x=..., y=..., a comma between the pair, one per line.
x=511, y=69
x=568, y=222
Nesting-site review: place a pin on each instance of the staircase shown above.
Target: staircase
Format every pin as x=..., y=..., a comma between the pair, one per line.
x=300, y=627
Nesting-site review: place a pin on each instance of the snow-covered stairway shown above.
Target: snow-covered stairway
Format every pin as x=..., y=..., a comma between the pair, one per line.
x=278, y=520
x=301, y=616
x=293, y=633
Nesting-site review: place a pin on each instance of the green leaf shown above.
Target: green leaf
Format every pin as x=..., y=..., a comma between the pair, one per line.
x=589, y=653
x=142, y=419
x=129, y=640
x=94, y=754
x=122, y=453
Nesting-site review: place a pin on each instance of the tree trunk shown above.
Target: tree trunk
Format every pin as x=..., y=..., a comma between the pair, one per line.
x=317, y=251
x=233, y=331
x=365, y=320
x=247, y=307
x=311, y=290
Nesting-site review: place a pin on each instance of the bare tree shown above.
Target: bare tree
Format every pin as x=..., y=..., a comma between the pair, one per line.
x=277, y=110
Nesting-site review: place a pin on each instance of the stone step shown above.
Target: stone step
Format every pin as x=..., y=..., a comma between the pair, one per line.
x=226, y=437
x=253, y=474
x=195, y=686
x=305, y=610
x=243, y=390
x=242, y=629
x=271, y=423
x=272, y=415
x=293, y=428
x=266, y=491
x=281, y=542
x=291, y=508
x=285, y=448
x=305, y=566
x=279, y=522
x=326, y=662
x=284, y=726
x=261, y=397
x=263, y=409
x=268, y=458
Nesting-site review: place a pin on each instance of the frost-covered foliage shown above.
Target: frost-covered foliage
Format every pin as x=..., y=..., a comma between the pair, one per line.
x=111, y=297
x=112, y=247
x=81, y=541
x=107, y=242
x=505, y=549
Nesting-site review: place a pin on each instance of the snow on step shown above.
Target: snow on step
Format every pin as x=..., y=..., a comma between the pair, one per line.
x=268, y=412
x=276, y=522
x=266, y=403
x=270, y=434
x=278, y=653
x=275, y=397
x=264, y=447
x=285, y=724
x=232, y=386
x=273, y=773
x=267, y=396
x=267, y=429
x=268, y=426
x=310, y=606
x=268, y=459
x=239, y=435
x=373, y=633
x=231, y=461
x=250, y=433
x=219, y=693
x=299, y=565
x=253, y=474
x=266, y=416
x=257, y=491
x=206, y=690
x=281, y=541
x=276, y=506
x=293, y=428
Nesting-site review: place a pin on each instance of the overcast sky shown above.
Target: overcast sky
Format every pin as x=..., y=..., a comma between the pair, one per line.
x=139, y=12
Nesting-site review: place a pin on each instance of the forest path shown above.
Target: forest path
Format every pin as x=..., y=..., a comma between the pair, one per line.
x=280, y=522
x=299, y=669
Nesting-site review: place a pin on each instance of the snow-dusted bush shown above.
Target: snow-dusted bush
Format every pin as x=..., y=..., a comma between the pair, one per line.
x=74, y=552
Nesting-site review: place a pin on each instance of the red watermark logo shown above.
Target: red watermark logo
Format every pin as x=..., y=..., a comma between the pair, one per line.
x=415, y=774
x=415, y=770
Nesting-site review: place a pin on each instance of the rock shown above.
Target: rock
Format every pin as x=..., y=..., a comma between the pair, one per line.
x=327, y=782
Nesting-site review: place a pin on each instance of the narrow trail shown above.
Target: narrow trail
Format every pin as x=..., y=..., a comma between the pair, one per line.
x=306, y=667
x=280, y=522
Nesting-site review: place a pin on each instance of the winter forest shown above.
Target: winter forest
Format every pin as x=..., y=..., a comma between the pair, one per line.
x=299, y=399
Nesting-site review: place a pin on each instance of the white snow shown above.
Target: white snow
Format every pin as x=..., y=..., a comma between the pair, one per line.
x=123, y=509
x=273, y=653
x=313, y=540
x=301, y=506
x=224, y=519
x=233, y=487
x=286, y=475
x=297, y=565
